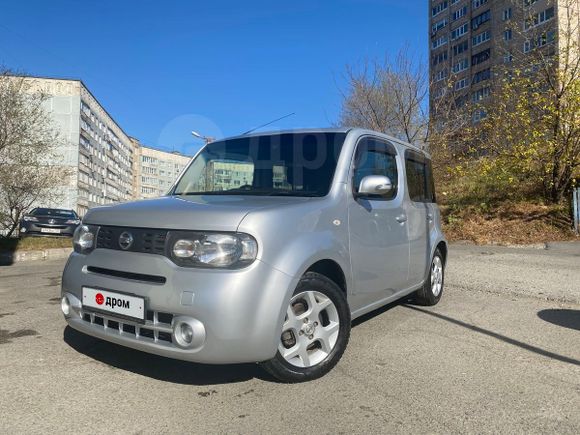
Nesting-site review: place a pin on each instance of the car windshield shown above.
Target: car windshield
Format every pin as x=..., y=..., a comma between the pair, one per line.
x=54, y=212
x=297, y=164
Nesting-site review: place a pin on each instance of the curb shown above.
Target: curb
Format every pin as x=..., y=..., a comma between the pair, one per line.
x=44, y=254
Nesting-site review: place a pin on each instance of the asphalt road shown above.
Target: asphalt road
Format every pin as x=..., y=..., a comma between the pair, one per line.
x=500, y=353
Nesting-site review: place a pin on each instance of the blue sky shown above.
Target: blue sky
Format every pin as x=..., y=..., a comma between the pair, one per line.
x=164, y=68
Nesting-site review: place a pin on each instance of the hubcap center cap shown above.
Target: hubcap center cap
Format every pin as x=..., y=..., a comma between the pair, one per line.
x=308, y=328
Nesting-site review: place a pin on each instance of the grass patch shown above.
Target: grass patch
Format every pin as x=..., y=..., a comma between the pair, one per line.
x=34, y=243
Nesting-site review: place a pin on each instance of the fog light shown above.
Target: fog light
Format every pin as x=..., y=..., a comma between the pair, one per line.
x=186, y=333
x=22, y=230
x=65, y=306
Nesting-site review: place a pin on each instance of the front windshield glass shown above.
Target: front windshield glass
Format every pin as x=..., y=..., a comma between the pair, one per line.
x=300, y=164
x=53, y=212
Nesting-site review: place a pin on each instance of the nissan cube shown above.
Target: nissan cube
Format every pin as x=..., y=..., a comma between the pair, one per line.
x=264, y=250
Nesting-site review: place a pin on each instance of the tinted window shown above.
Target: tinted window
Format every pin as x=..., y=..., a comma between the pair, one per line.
x=300, y=164
x=419, y=177
x=374, y=157
x=54, y=212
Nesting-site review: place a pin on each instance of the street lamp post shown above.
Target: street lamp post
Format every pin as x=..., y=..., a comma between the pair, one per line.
x=206, y=139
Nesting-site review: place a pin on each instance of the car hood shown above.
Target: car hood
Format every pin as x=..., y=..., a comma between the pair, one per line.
x=203, y=212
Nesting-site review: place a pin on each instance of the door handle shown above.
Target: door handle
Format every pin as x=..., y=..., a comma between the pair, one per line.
x=401, y=218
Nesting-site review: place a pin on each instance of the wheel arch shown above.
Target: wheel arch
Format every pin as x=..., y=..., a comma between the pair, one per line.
x=332, y=270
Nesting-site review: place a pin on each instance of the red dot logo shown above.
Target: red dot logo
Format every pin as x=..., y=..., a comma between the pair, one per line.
x=99, y=298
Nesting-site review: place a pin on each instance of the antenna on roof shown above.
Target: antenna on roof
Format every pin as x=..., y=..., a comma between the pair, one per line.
x=268, y=123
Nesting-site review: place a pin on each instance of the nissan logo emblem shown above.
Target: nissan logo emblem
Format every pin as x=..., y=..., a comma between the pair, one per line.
x=125, y=240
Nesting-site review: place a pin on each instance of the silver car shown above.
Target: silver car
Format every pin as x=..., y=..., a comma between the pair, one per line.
x=264, y=250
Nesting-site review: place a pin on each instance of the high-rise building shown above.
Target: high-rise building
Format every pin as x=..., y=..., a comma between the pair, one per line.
x=155, y=170
x=471, y=41
x=97, y=151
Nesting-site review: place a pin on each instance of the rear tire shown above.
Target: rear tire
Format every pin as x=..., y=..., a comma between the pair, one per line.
x=431, y=292
x=315, y=333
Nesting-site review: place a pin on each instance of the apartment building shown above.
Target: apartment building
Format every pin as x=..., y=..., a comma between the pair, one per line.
x=472, y=41
x=154, y=170
x=95, y=148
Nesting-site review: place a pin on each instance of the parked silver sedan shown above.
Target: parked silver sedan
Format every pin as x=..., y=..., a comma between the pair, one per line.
x=264, y=250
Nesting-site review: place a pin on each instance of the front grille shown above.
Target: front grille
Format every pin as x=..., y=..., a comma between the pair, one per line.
x=155, y=279
x=149, y=241
x=157, y=330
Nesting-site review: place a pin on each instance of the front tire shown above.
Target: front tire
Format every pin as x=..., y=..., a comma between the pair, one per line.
x=431, y=292
x=315, y=332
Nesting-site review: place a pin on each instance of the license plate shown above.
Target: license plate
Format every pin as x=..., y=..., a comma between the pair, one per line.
x=50, y=230
x=114, y=303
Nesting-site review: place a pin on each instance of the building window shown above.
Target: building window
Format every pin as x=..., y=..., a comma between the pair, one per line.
x=539, y=18
x=480, y=19
x=440, y=92
x=478, y=115
x=442, y=40
x=439, y=8
x=439, y=57
x=462, y=65
x=529, y=2
x=460, y=48
x=481, y=38
x=482, y=75
x=440, y=75
x=543, y=39
x=507, y=14
x=459, y=13
x=478, y=3
x=481, y=94
x=507, y=35
x=439, y=25
x=480, y=57
x=461, y=84
x=459, y=32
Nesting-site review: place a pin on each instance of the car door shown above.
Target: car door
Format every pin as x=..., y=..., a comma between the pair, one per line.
x=379, y=248
x=419, y=215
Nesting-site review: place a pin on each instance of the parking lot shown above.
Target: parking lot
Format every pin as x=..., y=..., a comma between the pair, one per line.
x=500, y=353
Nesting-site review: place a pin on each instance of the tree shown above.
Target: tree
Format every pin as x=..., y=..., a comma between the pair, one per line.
x=532, y=129
x=28, y=150
x=392, y=96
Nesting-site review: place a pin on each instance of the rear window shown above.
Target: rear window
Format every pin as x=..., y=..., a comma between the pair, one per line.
x=419, y=177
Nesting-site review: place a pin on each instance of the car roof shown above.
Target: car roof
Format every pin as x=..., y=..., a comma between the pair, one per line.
x=357, y=131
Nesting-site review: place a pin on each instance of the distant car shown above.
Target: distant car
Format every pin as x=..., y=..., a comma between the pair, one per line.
x=49, y=222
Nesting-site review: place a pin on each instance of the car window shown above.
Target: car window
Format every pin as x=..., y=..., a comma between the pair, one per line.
x=296, y=164
x=375, y=157
x=54, y=212
x=419, y=177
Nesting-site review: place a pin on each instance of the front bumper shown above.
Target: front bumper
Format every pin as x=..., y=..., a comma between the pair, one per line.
x=37, y=229
x=240, y=311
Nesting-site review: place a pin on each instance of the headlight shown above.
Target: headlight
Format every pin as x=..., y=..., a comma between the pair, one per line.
x=226, y=250
x=84, y=239
x=73, y=221
x=30, y=219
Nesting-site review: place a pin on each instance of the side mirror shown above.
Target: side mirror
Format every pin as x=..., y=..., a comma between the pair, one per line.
x=375, y=185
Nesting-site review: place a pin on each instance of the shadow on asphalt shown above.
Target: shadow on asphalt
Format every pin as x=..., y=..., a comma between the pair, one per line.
x=497, y=336
x=369, y=316
x=565, y=318
x=161, y=368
